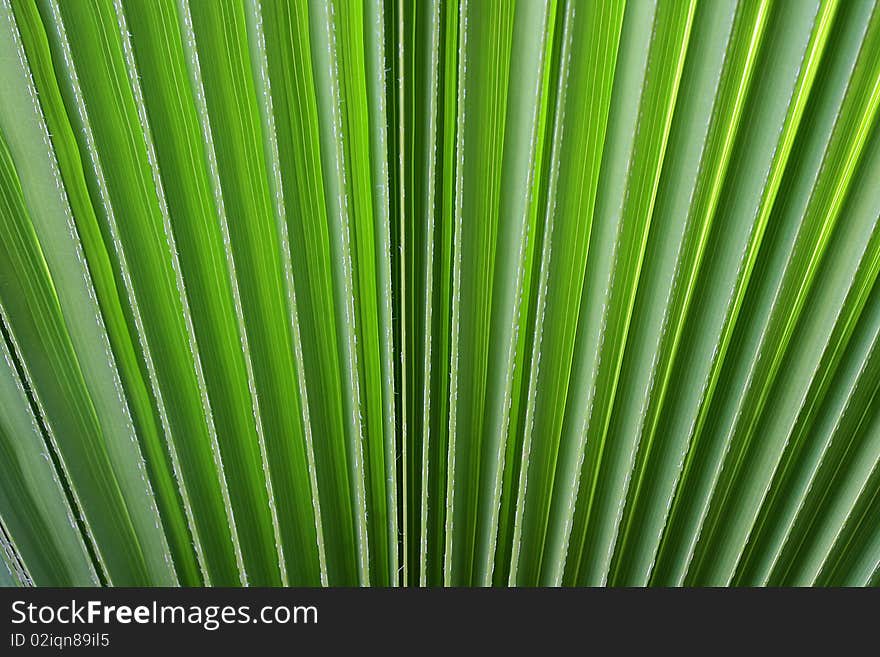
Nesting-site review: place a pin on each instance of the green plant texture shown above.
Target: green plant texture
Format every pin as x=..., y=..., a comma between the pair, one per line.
x=439, y=292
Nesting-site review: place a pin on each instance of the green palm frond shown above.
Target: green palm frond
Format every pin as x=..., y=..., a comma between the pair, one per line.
x=439, y=292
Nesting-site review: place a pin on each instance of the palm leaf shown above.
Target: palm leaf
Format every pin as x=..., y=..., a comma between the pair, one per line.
x=441, y=292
